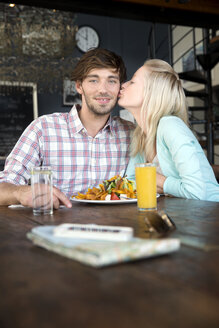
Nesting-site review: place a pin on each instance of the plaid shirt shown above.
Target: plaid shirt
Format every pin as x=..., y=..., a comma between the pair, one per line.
x=78, y=160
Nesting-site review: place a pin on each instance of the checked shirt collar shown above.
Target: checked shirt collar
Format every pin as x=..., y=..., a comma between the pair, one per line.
x=76, y=126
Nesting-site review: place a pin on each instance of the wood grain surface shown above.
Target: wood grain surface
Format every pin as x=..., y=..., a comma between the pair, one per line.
x=42, y=289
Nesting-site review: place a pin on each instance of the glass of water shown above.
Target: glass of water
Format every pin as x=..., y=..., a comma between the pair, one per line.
x=42, y=190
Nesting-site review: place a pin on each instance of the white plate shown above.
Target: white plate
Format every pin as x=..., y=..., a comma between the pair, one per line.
x=105, y=202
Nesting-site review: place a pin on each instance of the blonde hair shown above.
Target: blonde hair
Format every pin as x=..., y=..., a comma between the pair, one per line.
x=163, y=96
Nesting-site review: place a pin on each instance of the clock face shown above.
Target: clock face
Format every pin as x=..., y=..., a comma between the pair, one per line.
x=86, y=38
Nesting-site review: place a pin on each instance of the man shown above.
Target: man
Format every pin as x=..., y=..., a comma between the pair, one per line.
x=83, y=147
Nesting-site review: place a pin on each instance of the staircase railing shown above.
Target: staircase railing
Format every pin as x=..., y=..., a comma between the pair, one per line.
x=196, y=73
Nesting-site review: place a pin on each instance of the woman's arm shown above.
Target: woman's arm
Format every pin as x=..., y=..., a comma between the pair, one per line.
x=160, y=183
x=180, y=157
x=216, y=171
x=130, y=172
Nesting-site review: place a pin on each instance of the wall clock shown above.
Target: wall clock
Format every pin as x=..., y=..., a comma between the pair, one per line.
x=86, y=38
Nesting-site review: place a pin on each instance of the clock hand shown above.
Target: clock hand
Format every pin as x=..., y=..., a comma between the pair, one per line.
x=82, y=36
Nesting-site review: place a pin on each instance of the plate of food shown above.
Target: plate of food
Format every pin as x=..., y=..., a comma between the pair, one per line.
x=116, y=190
x=105, y=202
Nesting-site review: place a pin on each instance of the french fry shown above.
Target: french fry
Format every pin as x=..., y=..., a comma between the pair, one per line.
x=104, y=196
x=118, y=191
x=91, y=197
x=102, y=187
x=81, y=196
x=113, y=178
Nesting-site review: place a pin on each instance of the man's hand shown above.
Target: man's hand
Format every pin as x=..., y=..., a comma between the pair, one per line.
x=24, y=196
x=60, y=199
x=12, y=194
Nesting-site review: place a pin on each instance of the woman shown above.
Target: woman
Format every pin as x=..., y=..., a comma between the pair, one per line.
x=156, y=99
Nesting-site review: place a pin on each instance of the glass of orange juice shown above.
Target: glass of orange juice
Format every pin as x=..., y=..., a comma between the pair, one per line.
x=145, y=175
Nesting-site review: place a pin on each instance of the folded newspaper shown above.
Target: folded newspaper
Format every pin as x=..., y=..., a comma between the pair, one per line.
x=99, y=253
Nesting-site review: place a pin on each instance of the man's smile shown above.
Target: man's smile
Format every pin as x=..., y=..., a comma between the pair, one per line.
x=103, y=100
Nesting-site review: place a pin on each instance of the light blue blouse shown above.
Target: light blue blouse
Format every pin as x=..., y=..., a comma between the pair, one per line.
x=182, y=161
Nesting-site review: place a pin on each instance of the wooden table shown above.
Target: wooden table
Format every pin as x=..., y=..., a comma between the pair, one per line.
x=42, y=289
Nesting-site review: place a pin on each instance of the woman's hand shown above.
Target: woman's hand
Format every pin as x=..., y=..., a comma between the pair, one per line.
x=160, y=182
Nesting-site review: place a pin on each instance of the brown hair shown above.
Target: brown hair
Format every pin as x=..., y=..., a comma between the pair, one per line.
x=98, y=58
